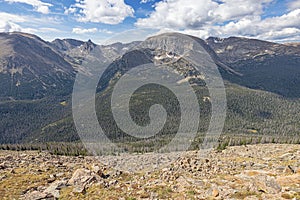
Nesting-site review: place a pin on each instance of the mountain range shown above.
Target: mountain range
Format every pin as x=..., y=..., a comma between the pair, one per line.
x=36, y=82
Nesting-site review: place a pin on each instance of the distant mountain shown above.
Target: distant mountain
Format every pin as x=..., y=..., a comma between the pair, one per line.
x=66, y=45
x=36, y=80
x=263, y=65
x=31, y=69
x=234, y=49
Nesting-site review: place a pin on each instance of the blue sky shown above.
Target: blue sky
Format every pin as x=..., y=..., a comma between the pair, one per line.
x=99, y=20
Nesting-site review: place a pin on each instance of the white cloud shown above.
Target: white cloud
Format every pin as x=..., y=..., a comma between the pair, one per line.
x=6, y=26
x=47, y=30
x=70, y=10
x=228, y=18
x=195, y=14
x=102, y=11
x=237, y=9
x=39, y=6
x=268, y=28
x=179, y=14
x=79, y=30
x=146, y=1
x=84, y=31
x=282, y=35
x=294, y=5
x=12, y=22
x=11, y=17
x=105, y=31
x=8, y=22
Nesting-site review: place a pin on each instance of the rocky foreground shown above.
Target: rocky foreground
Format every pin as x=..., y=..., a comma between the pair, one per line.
x=268, y=171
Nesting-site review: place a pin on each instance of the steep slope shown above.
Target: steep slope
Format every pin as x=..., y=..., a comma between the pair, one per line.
x=31, y=69
x=263, y=65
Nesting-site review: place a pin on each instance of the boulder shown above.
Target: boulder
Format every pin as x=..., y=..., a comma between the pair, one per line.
x=36, y=195
x=55, y=187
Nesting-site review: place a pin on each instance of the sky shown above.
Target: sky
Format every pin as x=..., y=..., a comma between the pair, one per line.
x=125, y=20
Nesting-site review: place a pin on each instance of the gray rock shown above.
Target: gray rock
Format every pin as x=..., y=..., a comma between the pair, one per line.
x=259, y=166
x=78, y=189
x=54, y=188
x=36, y=195
x=287, y=156
x=80, y=176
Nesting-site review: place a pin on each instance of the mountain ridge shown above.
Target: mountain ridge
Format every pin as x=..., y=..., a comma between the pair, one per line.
x=249, y=75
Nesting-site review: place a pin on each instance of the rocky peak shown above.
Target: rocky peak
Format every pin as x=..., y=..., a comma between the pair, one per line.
x=88, y=46
x=66, y=44
x=176, y=45
x=170, y=42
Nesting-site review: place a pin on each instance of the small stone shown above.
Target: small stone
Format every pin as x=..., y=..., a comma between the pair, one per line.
x=9, y=158
x=3, y=166
x=2, y=177
x=60, y=174
x=215, y=193
x=55, y=187
x=289, y=169
x=78, y=175
x=36, y=195
x=79, y=189
x=286, y=156
x=113, y=182
x=259, y=166
x=96, y=169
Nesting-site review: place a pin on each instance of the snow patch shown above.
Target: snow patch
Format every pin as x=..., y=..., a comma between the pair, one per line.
x=189, y=78
x=206, y=99
x=13, y=71
x=218, y=40
x=229, y=47
x=220, y=51
x=18, y=83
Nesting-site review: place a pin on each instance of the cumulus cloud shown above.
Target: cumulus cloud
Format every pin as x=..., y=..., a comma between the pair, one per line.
x=78, y=30
x=223, y=18
x=191, y=14
x=103, y=11
x=6, y=26
x=272, y=28
x=8, y=22
x=39, y=6
x=294, y=5
x=13, y=22
x=179, y=14
x=237, y=9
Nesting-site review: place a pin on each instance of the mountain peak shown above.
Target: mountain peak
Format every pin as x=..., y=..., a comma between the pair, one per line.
x=172, y=42
x=168, y=34
x=31, y=67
